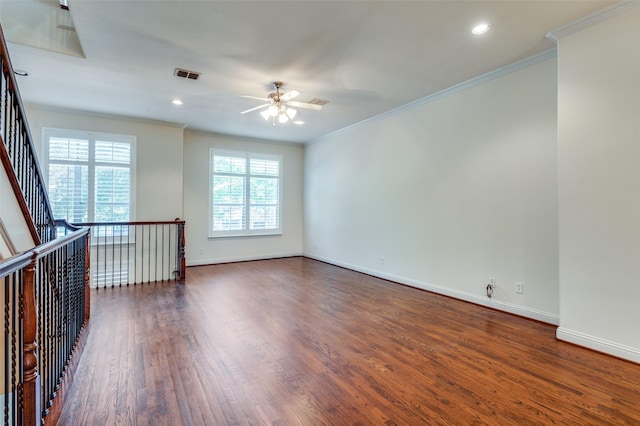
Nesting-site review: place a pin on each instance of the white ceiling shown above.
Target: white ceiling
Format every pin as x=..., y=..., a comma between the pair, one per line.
x=365, y=57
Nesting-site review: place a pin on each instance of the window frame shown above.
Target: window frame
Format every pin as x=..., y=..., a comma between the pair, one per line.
x=92, y=164
x=248, y=156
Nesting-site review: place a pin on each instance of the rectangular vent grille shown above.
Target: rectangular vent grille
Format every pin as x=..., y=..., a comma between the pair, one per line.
x=318, y=101
x=192, y=75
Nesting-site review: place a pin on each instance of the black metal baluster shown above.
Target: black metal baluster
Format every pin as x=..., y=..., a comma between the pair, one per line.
x=135, y=257
x=7, y=356
x=16, y=355
x=149, y=257
x=155, y=257
x=129, y=254
x=164, y=274
x=102, y=277
x=142, y=255
x=120, y=254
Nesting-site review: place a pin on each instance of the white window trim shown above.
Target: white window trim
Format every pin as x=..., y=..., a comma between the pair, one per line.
x=48, y=132
x=245, y=232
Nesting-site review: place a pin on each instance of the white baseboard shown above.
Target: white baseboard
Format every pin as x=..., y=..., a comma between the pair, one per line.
x=598, y=344
x=201, y=262
x=522, y=311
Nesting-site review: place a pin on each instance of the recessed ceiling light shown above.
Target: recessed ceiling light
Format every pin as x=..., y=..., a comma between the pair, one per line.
x=177, y=102
x=298, y=122
x=480, y=29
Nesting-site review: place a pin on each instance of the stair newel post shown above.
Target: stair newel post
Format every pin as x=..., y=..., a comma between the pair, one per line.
x=31, y=410
x=181, y=244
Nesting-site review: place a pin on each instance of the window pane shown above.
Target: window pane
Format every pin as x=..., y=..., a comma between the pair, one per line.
x=228, y=218
x=265, y=167
x=234, y=165
x=68, y=192
x=264, y=217
x=68, y=149
x=264, y=191
x=112, y=213
x=112, y=185
x=228, y=190
x=112, y=194
x=113, y=152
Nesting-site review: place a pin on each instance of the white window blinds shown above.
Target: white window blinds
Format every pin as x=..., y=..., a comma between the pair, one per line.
x=90, y=176
x=245, y=194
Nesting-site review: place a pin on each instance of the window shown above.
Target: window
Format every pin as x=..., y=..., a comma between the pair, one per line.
x=90, y=175
x=245, y=194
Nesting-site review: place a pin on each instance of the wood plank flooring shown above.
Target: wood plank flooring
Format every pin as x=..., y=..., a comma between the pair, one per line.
x=299, y=342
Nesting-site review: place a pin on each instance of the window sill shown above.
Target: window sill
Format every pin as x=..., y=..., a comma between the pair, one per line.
x=233, y=235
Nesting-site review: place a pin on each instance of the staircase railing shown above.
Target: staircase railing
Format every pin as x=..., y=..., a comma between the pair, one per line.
x=45, y=290
x=45, y=294
x=18, y=156
x=124, y=253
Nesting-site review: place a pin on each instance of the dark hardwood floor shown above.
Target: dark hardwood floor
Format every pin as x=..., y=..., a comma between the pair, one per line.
x=298, y=342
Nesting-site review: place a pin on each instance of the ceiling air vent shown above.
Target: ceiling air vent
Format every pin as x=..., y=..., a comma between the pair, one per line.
x=179, y=72
x=318, y=101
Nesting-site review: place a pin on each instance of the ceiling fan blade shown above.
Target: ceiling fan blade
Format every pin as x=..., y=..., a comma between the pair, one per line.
x=254, y=108
x=289, y=95
x=254, y=97
x=305, y=105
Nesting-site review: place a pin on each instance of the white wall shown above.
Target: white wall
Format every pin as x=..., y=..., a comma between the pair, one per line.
x=203, y=250
x=158, y=155
x=599, y=186
x=449, y=193
x=12, y=220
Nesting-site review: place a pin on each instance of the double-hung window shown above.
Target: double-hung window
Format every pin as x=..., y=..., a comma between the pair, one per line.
x=245, y=191
x=90, y=175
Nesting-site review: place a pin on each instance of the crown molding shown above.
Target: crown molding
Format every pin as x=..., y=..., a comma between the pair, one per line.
x=484, y=78
x=592, y=19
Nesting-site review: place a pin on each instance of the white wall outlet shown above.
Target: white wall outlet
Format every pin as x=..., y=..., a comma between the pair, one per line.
x=492, y=281
x=382, y=260
x=519, y=288
x=201, y=250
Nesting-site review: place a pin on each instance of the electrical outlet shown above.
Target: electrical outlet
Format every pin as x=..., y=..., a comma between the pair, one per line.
x=382, y=260
x=519, y=288
x=492, y=281
x=201, y=250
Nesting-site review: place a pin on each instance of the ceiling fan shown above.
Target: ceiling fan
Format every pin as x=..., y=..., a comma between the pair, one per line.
x=279, y=105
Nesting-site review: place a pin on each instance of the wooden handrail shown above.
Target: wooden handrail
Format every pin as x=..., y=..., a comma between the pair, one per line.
x=151, y=222
x=14, y=263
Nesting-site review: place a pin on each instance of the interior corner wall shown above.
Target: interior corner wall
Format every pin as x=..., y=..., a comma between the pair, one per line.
x=203, y=250
x=599, y=186
x=448, y=193
x=159, y=147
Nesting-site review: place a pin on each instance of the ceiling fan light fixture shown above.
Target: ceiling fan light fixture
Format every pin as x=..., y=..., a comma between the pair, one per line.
x=277, y=108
